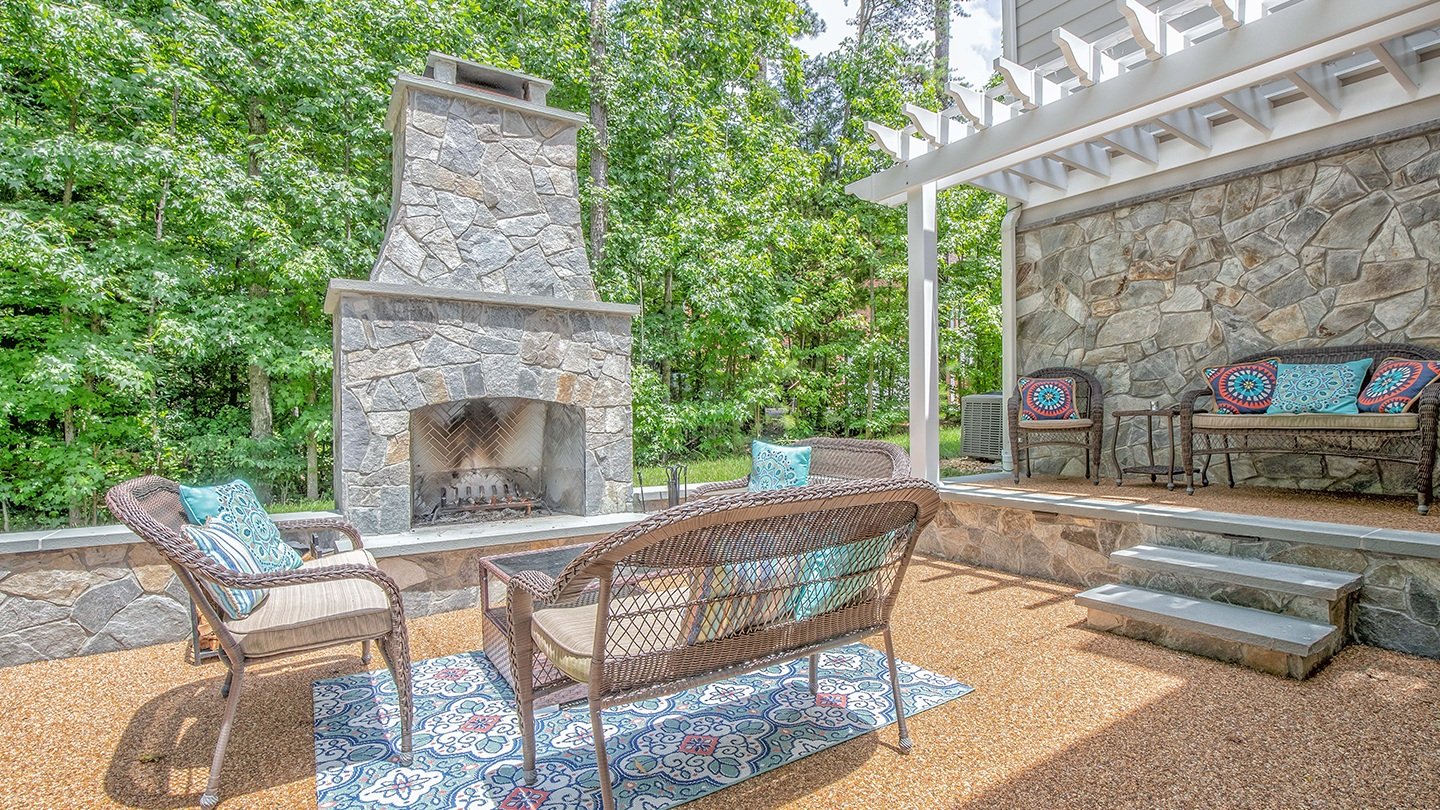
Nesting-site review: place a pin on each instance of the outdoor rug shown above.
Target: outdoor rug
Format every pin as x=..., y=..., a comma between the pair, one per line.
x=665, y=752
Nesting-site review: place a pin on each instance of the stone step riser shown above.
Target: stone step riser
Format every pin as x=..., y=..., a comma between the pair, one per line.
x=1288, y=604
x=1274, y=662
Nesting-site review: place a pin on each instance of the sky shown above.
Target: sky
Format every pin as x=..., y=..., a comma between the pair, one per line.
x=974, y=40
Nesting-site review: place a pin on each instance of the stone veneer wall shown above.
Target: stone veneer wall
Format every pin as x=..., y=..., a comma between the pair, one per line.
x=487, y=199
x=1336, y=250
x=1398, y=606
x=394, y=355
x=59, y=604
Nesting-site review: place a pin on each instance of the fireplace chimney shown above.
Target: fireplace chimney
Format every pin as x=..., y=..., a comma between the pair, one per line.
x=487, y=197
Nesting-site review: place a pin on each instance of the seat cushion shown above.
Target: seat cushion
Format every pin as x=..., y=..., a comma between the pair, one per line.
x=567, y=634
x=316, y=614
x=1057, y=424
x=1307, y=421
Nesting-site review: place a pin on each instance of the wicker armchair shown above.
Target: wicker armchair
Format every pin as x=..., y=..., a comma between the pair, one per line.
x=339, y=599
x=832, y=461
x=1085, y=432
x=716, y=587
x=1408, y=438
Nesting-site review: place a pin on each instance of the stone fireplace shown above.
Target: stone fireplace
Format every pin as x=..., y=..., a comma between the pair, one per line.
x=477, y=378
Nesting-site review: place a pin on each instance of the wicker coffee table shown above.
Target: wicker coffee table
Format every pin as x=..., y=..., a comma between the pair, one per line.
x=495, y=574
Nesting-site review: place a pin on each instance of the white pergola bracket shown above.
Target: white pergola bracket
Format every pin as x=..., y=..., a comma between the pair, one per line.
x=1320, y=84
x=1090, y=64
x=1156, y=37
x=1235, y=13
x=1400, y=62
x=1250, y=106
x=1045, y=171
x=1189, y=126
x=980, y=110
x=1135, y=142
x=1028, y=86
x=1091, y=158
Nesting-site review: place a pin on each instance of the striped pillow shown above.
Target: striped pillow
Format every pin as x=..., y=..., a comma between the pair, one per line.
x=224, y=546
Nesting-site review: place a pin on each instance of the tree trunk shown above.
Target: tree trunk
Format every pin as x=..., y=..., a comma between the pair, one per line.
x=262, y=419
x=942, y=48
x=312, y=455
x=599, y=118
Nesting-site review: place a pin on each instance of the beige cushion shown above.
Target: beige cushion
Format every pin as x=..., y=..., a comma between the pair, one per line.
x=1056, y=424
x=567, y=634
x=1304, y=421
x=316, y=614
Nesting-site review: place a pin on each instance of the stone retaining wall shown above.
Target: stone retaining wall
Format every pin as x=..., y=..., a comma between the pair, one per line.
x=1337, y=250
x=59, y=604
x=1398, y=606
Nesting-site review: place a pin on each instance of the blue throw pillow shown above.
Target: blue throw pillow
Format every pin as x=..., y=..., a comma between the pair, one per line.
x=235, y=505
x=1396, y=384
x=1318, y=387
x=775, y=466
x=224, y=546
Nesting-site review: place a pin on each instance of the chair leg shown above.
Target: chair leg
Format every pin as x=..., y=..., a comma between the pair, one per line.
x=525, y=707
x=906, y=744
x=602, y=761
x=225, y=687
x=815, y=673
x=365, y=652
x=1229, y=468
x=211, y=796
x=395, y=648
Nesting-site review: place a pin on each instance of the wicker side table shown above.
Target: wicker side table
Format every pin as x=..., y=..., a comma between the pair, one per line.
x=1150, y=468
x=552, y=686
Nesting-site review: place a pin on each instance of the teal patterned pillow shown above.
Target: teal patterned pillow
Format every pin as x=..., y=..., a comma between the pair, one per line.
x=775, y=466
x=1318, y=387
x=236, y=506
x=224, y=546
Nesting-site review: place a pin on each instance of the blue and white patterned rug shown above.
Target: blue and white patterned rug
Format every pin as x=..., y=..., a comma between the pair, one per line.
x=667, y=751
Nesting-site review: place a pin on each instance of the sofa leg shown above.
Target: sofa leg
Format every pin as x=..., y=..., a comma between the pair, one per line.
x=906, y=744
x=815, y=673
x=602, y=761
x=211, y=796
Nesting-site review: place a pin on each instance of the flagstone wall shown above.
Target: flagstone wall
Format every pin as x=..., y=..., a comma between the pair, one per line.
x=1335, y=250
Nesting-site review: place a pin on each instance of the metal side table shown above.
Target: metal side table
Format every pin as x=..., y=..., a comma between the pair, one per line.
x=1150, y=468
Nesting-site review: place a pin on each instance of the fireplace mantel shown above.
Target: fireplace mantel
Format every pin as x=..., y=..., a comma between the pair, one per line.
x=378, y=289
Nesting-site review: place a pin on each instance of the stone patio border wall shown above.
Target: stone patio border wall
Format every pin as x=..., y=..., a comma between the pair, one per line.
x=65, y=602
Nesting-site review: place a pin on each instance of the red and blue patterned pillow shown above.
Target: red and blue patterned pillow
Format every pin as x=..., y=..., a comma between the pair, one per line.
x=1396, y=384
x=1243, y=387
x=1045, y=398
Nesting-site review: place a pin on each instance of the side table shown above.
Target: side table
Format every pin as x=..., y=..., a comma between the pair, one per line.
x=1150, y=468
x=551, y=685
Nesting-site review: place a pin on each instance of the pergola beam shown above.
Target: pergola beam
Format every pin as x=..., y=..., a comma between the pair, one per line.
x=1250, y=106
x=1229, y=66
x=1189, y=126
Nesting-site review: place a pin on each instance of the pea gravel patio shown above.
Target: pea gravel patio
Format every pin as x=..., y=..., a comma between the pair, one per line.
x=1061, y=717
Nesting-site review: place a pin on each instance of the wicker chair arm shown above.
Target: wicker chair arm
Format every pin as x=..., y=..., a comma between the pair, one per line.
x=1428, y=403
x=722, y=488
x=337, y=524
x=539, y=585
x=229, y=578
x=1189, y=398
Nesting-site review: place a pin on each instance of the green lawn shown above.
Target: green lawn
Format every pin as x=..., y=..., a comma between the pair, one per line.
x=702, y=471
x=738, y=466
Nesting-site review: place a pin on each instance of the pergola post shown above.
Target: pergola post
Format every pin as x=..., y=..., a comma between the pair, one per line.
x=1009, y=258
x=924, y=286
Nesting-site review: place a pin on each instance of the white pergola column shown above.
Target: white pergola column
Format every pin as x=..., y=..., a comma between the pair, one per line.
x=924, y=288
x=1009, y=258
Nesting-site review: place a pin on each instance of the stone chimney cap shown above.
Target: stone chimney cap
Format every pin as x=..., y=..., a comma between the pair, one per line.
x=465, y=73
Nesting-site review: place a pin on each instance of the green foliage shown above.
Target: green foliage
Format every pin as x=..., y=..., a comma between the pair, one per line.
x=180, y=179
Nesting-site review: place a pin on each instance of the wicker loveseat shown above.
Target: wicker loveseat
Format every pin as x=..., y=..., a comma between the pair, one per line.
x=718, y=587
x=832, y=461
x=1408, y=437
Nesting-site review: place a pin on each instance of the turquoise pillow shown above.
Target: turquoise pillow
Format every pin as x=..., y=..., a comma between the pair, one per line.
x=826, y=573
x=235, y=505
x=1318, y=387
x=223, y=545
x=776, y=466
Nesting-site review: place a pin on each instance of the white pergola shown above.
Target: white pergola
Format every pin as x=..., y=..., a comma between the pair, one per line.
x=1198, y=90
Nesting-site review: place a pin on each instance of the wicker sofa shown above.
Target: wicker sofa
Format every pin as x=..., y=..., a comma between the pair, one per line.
x=832, y=461
x=1407, y=438
x=718, y=587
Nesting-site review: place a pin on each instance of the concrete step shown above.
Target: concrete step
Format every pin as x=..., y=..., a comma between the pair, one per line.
x=1300, y=580
x=1315, y=594
x=1270, y=642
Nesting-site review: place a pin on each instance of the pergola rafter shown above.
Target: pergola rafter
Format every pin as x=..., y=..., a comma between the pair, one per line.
x=1200, y=80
